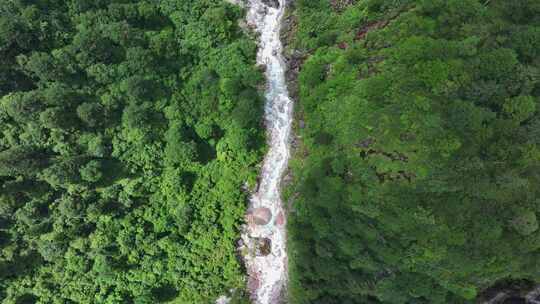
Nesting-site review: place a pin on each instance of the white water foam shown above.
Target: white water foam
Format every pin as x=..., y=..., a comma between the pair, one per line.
x=268, y=274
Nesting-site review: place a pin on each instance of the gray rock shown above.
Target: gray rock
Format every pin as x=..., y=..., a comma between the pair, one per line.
x=366, y=143
x=271, y=3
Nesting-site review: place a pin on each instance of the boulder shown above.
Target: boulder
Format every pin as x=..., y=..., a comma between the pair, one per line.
x=263, y=246
x=271, y=3
x=259, y=216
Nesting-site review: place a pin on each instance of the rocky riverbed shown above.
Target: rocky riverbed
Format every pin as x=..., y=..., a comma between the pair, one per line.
x=263, y=239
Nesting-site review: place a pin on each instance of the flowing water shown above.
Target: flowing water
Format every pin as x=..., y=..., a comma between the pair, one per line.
x=268, y=274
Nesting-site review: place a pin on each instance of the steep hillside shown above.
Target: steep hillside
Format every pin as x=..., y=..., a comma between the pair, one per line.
x=416, y=177
x=129, y=129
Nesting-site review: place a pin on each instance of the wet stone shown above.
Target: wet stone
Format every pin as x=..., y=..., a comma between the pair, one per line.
x=271, y=3
x=262, y=67
x=263, y=246
x=259, y=216
x=280, y=219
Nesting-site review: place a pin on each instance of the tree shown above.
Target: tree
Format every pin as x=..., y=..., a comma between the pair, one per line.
x=525, y=223
x=92, y=171
x=22, y=160
x=91, y=113
x=56, y=118
x=40, y=65
x=22, y=107
x=137, y=116
x=64, y=171
x=520, y=108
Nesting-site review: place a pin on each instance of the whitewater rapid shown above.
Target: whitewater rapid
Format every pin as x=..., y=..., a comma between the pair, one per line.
x=267, y=268
x=267, y=275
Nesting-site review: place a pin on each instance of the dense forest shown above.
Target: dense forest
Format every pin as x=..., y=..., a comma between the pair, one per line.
x=417, y=170
x=129, y=128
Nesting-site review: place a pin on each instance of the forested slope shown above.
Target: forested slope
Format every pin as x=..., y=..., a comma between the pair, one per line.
x=416, y=178
x=128, y=131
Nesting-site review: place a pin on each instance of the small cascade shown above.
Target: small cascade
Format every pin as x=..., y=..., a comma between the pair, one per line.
x=265, y=234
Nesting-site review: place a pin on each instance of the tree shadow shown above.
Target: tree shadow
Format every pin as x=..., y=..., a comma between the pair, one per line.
x=165, y=293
